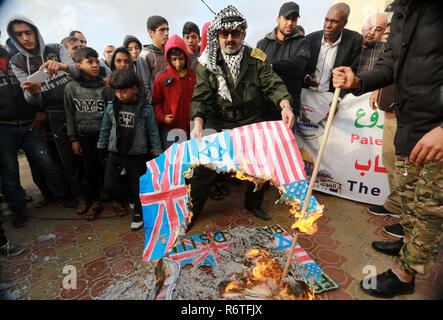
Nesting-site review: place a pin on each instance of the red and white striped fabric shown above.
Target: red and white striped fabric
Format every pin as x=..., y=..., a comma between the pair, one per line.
x=268, y=149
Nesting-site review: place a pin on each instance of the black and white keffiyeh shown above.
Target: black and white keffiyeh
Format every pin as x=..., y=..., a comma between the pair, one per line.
x=227, y=18
x=234, y=61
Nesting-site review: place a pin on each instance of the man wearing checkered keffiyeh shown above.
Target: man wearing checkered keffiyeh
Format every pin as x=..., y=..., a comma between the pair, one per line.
x=233, y=83
x=228, y=18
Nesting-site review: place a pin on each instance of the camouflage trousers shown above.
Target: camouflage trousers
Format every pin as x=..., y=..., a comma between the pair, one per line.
x=421, y=191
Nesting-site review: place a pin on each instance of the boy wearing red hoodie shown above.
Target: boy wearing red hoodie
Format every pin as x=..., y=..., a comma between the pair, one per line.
x=172, y=93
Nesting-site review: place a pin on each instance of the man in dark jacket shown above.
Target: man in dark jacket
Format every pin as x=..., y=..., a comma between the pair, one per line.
x=288, y=53
x=372, y=48
x=33, y=55
x=413, y=61
x=332, y=47
x=233, y=81
x=19, y=129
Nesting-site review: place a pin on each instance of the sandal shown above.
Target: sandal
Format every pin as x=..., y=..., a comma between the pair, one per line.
x=120, y=209
x=43, y=203
x=94, y=211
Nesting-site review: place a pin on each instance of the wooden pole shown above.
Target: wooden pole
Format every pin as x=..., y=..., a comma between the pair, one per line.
x=313, y=176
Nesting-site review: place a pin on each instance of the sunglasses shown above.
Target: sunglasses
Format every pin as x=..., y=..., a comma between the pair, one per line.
x=224, y=34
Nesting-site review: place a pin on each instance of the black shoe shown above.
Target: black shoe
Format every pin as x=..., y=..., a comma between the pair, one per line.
x=387, y=285
x=389, y=248
x=260, y=213
x=381, y=211
x=395, y=230
x=11, y=250
x=19, y=219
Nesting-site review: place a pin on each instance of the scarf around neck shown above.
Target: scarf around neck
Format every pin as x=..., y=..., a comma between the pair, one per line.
x=234, y=62
x=227, y=18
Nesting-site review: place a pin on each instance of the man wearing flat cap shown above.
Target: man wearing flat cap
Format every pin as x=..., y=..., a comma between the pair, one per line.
x=288, y=52
x=233, y=82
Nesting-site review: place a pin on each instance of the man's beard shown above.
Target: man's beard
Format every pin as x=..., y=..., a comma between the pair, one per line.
x=231, y=51
x=286, y=35
x=369, y=43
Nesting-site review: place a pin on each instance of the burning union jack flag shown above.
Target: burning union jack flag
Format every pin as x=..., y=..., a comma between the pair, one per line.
x=266, y=151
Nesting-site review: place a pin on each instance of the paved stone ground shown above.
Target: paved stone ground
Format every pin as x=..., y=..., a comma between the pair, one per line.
x=106, y=251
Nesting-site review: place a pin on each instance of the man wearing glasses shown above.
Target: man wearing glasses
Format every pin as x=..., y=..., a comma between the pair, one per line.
x=233, y=81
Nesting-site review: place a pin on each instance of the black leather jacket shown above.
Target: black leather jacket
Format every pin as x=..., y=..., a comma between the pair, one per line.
x=413, y=61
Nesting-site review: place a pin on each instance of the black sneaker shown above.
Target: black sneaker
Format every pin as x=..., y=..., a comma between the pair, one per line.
x=137, y=222
x=11, y=250
x=19, y=219
x=391, y=248
x=387, y=285
x=395, y=230
x=381, y=211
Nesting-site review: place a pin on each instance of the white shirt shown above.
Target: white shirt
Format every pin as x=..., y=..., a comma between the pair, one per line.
x=325, y=64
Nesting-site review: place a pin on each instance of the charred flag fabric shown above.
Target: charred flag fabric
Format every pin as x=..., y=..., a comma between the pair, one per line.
x=265, y=151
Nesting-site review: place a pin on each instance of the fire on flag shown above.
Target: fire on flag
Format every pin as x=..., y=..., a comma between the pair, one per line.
x=261, y=151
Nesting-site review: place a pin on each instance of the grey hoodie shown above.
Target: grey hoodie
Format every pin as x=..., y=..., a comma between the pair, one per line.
x=26, y=63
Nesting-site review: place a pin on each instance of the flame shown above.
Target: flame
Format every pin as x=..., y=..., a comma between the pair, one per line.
x=266, y=266
x=243, y=176
x=263, y=282
x=187, y=174
x=305, y=222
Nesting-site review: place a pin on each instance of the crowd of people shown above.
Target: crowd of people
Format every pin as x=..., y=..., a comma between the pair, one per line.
x=87, y=126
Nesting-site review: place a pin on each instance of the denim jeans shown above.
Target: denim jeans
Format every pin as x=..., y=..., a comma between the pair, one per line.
x=39, y=178
x=13, y=138
x=71, y=162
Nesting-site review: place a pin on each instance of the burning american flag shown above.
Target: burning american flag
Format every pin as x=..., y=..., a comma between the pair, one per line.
x=261, y=151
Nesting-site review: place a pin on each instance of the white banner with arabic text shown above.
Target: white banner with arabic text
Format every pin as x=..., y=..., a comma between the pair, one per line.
x=352, y=165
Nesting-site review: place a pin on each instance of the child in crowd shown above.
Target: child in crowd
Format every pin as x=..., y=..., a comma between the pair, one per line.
x=134, y=46
x=128, y=129
x=191, y=35
x=173, y=89
x=121, y=59
x=85, y=102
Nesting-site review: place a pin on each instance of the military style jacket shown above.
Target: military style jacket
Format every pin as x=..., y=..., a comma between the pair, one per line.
x=256, y=81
